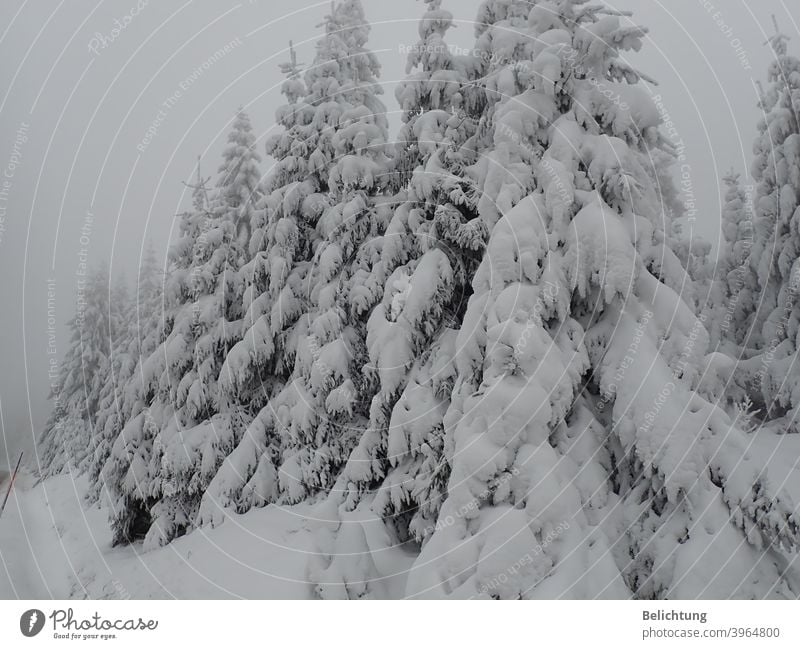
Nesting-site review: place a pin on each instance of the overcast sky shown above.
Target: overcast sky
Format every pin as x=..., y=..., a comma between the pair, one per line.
x=78, y=95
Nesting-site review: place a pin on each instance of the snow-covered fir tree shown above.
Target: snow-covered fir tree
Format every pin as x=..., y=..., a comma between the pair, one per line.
x=321, y=408
x=430, y=250
x=198, y=427
x=732, y=301
x=414, y=292
x=584, y=464
x=129, y=472
x=117, y=370
x=491, y=343
x=136, y=336
x=323, y=202
x=67, y=438
x=253, y=366
x=776, y=245
x=282, y=246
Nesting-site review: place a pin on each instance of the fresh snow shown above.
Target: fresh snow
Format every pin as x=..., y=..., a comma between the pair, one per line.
x=54, y=545
x=486, y=356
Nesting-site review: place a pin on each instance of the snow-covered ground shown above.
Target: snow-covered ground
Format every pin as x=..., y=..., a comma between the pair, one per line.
x=53, y=546
x=782, y=454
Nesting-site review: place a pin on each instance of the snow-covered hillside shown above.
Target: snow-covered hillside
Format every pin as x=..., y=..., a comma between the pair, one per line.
x=53, y=545
x=485, y=355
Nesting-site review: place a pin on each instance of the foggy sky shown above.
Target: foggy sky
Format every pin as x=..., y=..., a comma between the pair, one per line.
x=99, y=126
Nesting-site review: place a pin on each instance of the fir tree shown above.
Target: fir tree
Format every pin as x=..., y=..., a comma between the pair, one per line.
x=329, y=161
x=202, y=427
x=66, y=440
x=734, y=293
x=584, y=464
x=129, y=473
x=325, y=400
x=486, y=343
x=135, y=338
x=117, y=370
x=776, y=245
x=429, y=251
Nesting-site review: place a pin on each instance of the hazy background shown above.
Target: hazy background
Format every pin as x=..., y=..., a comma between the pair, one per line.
x=84, y=113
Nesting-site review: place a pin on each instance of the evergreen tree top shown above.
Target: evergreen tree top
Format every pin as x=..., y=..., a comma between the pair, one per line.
x=241, y=147
x=778, y=42
x=239, y=173
x=732, y=177
x=199, y=191
x=291, y=68
x=341, y=53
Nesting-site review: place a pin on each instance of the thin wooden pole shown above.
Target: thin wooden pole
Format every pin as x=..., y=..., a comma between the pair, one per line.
x=11, y=484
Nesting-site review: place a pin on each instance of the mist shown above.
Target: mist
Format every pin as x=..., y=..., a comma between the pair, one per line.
x=106, y=108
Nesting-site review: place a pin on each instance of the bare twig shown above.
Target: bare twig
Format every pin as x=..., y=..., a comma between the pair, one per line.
x=11, y=484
